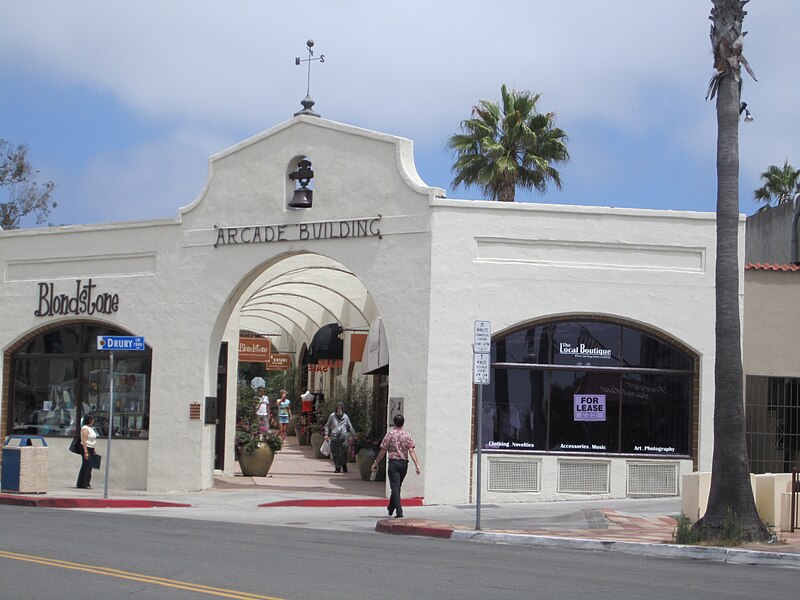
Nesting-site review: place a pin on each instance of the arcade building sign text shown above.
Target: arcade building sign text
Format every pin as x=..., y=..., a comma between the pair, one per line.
x=322, y=230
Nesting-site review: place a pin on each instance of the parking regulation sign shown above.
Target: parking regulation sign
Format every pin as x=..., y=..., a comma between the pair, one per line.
x=482, y=336
x=120, y=342
x=480, y=368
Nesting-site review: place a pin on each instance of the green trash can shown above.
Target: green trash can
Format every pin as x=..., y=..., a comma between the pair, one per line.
x=24, y=468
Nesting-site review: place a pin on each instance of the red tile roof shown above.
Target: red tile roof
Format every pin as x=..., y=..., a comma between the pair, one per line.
x=771, y=267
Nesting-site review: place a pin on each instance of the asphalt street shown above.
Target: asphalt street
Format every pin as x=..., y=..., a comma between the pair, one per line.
x=48, y=553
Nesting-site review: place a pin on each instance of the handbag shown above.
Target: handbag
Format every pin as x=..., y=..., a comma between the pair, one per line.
x=75, y=445
x=325, y=448
x=95, y=459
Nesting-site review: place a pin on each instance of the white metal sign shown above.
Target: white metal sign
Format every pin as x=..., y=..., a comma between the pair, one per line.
x=483, y=337
x=480, y=368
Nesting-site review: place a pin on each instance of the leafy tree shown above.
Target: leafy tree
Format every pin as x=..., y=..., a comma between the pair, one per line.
x=780, y=184
x=730, y=493
x=25, y=196
x=508, y=145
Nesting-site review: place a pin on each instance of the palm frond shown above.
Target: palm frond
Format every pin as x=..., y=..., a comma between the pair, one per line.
x=508, y=144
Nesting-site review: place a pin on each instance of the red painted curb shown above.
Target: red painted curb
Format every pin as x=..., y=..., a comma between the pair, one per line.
x=340, y=502
x=85, y=502
x=409, y=527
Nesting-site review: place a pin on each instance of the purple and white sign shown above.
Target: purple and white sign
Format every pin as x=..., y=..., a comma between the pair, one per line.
x=590, y=407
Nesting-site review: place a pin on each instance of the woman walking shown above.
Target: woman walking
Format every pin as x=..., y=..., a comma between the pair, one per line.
x=88, y=441
x=398, y=444
x=284, y=415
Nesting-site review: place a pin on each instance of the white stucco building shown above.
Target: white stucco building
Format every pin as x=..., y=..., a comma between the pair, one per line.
x=589, y=307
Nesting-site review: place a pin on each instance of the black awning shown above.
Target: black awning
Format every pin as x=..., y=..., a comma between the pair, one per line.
x=326, y=344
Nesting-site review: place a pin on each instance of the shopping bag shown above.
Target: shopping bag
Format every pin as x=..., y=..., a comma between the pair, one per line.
x=325, y=449
x=95, y=459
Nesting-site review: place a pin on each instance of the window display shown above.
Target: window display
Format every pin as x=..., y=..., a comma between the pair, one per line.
x=588, y=386
x=59, y=376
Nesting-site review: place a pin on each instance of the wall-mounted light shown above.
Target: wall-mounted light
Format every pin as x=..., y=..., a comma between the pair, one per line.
x=302, y=196
x=748, y=118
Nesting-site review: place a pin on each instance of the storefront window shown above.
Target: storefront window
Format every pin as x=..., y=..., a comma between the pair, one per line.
x=586, y=343
x=582, y=419
x=657, y=414
x=59, y=376
x=588, y=386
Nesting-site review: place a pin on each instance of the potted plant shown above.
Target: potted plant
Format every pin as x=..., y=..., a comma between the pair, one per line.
x=255, y=444
x=366, y=446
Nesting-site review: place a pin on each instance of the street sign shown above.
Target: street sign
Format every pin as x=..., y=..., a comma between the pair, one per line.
x=120, y=342
x=483, y=337
x=480, y=368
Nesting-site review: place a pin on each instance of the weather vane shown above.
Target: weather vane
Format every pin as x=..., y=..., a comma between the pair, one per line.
x=308, y=102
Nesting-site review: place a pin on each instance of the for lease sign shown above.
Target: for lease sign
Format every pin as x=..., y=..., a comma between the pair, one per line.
x=590, y=407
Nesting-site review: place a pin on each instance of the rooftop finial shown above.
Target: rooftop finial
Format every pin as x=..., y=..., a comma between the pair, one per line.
x=307, y=102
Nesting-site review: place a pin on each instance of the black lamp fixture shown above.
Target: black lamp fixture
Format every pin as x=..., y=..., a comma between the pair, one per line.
x=748, y=118
x=302, y=196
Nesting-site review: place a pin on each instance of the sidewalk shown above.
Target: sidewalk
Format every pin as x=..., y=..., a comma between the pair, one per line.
x=299, y=484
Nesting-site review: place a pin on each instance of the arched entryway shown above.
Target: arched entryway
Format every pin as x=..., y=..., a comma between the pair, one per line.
x=314, y=316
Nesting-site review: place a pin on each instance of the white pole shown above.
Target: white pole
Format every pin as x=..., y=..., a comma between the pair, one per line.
x=479, y=438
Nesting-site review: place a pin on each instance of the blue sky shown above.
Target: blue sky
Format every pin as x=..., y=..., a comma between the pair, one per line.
x=121, y=104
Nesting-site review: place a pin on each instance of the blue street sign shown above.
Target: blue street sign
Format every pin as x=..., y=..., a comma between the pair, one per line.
x=120, y=342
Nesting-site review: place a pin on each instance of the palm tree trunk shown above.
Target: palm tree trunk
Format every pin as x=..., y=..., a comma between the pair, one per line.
x=731, y=498
x=508, y=187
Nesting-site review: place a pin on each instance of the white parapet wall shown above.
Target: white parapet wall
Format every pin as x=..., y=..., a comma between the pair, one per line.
x=770, y=491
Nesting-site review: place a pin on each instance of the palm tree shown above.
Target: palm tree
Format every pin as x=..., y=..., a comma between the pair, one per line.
x=780, y=184
x=502, y=147
x=730, y=496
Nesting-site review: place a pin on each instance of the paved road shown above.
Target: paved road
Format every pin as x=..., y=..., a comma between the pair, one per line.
x=208, y=558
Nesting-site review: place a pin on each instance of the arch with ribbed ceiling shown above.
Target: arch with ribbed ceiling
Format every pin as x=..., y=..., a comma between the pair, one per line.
x=295, y=296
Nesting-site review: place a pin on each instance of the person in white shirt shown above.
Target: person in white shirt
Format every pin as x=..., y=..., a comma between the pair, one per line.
x=263, y=407
x=88, y=441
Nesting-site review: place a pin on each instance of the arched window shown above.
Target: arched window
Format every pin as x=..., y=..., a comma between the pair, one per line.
x=588, y=386
x=59, y=376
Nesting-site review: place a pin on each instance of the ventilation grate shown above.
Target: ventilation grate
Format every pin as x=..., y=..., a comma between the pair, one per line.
x=652, y=479
x=583, y=477
x=513, y=475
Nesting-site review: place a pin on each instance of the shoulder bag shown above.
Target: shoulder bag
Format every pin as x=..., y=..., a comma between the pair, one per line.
x=75, y=445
